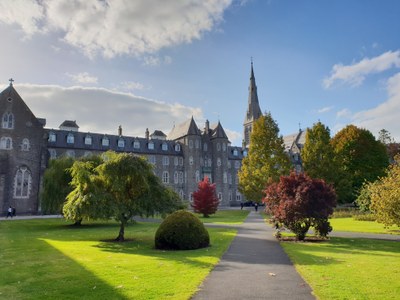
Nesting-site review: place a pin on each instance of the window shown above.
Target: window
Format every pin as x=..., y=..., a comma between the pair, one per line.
x=70, y=153
x=237, y=179
x=152, y=159
x=164, y=146
x=176, y=161
x=177, y=147
x=121, y=143
x=223, y=147
x=181, y=161
x=230, y=196
x=6, y=143
x=205, y=147
x=229, y=164
x=87, y=154
x=191, y=196
x=165, y=177
x=238, y=196
x=136, y=144
x=190, y=160
x=105, y=141
x=225, y=177
x=220, y=197
x=165, y=161
x=235, y=152
x=245, y=153
x=150, y=146
x=22, y=183
x=218, y=147
x=196, y=144
x=25, y=146
x=190, y=144
x=181, y=193
x=88, y=140
x=201, y=161
x=53, y=153
x=197, y=175
x=176, y=177
x=229, y=178
x=70, y=138
x=209, y=162
x=52, y=137
x=8, y=121
x=181, y=177
x=218, y=162
x=237, y=164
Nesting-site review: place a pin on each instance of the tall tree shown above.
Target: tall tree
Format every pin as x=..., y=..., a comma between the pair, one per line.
x=205, y=199
x=122, y=186
x=266, y=160
x=56, y=185
x=317, y=154
x=360, y=158
x=385, y=196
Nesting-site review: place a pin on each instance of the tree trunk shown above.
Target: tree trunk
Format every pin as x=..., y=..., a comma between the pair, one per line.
x=121, y=237
x=78, y=222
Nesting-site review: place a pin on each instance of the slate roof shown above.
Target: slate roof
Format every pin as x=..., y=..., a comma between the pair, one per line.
x=158, y=133
x=188, y=127
x=79, y=143
x=69, y=123
x=218, y=132
x=297, y=138
x=240, y=152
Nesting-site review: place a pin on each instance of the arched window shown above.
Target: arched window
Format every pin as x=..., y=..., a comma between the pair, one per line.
x=190, y=160
x=88, y=140
x=229, y=178
x=218, y=162
x=6, y=143
x=136, y=144
x=105, y=141
x=176, y=177
x=176, y=161
x=22, y=183
x=150, y=146
x=180, y=177
x=223, y=147
x=191, y=144
x=235, y=152
x=70, y=153
x=70, y=138
x=244, y=153
x=152, y=159
x=164, y=146
x=53, y=153
x=8, y=120
x=218, y=147
x=121, y=143
x=165, y=177
x=177, y=147
x=52, y=137
x=196, y=144
x=225, y=177
x=181, y=161
x=197, y=175
x=25, y=146
x=165, y=161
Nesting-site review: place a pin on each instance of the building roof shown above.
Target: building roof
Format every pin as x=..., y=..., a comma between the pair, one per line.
x=69, y=123
x=158, y=133
x=218, y=132
x=297, y=138
x=188, y=127
x=253, y=108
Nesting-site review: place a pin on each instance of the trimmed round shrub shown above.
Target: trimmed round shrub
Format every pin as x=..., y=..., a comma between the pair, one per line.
x=181, y=230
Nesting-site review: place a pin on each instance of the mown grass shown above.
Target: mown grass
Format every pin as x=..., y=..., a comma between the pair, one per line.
x=227, y=217
x=50, y=259
x=349, y=224
x=344, y=268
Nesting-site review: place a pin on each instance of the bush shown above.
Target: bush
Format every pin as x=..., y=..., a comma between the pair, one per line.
x=181, y=231
x=365, y=217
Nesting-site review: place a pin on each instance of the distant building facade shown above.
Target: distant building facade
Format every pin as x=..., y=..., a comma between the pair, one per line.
x=180, y=160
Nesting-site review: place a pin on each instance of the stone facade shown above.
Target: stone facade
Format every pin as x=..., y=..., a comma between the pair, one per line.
x=181, y=159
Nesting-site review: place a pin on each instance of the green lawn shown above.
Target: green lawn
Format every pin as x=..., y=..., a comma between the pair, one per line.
x=228, y=217
x=50, y=259
x=345, y=268
x=349, y=224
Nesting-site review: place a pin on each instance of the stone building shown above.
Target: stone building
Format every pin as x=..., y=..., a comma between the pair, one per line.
x=181, y=159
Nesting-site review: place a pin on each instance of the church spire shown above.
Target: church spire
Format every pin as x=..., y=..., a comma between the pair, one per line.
x=253, y=108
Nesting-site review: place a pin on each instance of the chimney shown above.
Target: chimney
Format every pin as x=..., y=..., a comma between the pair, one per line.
x=120, y=130
x=207, y=127
x=146, y=134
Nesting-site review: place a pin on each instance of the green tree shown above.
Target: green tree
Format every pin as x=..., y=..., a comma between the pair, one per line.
x=120, y=187
x=56, y=185
x=360, y=158
x=266, y=160
x=317, y=154
x=385, y=196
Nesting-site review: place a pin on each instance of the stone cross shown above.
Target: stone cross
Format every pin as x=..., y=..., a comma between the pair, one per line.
x=11, y=81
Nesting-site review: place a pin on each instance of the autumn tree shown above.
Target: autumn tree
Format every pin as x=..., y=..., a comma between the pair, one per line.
x=298, y=202
x=392, y=147
x=385, y=196
x=56, y=185
x=205, y=200
x=317, y=155
x=120, y=187
x=360, y=158
x=266, y=160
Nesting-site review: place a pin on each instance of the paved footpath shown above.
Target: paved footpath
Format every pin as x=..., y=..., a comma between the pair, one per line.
x=254, y=267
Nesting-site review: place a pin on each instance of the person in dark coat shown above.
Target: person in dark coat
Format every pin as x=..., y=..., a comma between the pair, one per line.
x=241, y=205
x=256, y=206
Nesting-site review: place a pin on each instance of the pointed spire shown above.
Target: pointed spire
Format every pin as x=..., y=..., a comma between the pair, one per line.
x=219, y=132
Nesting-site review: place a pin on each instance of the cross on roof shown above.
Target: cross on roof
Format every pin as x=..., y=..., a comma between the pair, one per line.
x=11, y=81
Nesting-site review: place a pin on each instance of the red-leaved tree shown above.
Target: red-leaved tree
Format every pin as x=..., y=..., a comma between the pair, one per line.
x=298, y=202
x=205, y=200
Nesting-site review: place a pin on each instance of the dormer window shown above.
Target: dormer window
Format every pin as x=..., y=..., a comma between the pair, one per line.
x=8, y=121
x=105, y=141
x=136, y=144
x=235, y=152
x=121, y=143
x=164, y=146
x=245, y=153
x=150, y=146
x=88, y=140
x=70, y=138
x=177, y=147
x=52, y=137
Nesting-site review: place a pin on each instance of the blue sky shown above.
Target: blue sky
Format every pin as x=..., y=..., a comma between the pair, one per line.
x=153, y=63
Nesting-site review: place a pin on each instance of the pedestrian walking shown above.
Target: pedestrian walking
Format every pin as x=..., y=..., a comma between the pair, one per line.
x=241, y=205
x=9, y=212
x=256, y=206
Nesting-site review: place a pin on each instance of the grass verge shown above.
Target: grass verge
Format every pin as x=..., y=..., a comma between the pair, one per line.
x=349, y=224
x=228, y=217
x=343, y=268
x=50, y=259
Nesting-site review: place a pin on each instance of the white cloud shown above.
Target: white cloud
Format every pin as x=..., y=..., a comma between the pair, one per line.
x=386, y=115
x=83, y=78
x=154, y=60
x=234, y=137
x=115, y=27
x=355, y=73
x=344, y=113
x=131, y=85
x=101, y=110
x=324, y=109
